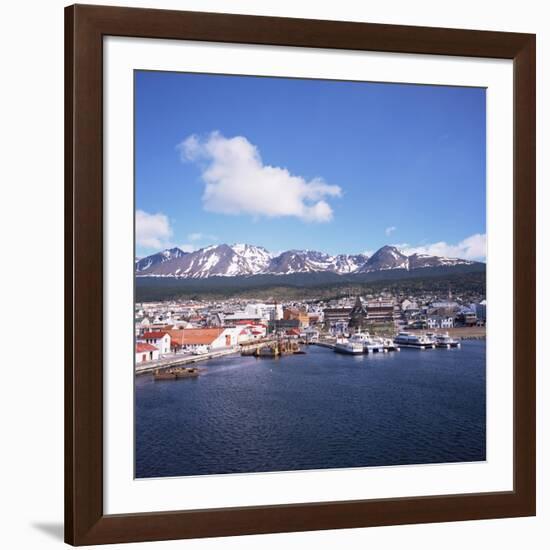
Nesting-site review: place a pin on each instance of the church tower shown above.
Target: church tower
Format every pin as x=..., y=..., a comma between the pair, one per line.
x=358, y=316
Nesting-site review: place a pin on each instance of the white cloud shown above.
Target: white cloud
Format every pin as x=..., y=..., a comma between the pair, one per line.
x=368, y=253
x=238, y=182
x=187, y=247
x=473, y=247
x=152, y=230
x=390, y=230
x=201, y=237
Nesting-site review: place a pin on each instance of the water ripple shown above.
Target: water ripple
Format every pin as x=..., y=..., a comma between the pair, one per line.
x=319, y=410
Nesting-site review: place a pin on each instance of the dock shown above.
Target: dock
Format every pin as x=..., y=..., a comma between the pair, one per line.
x=373, y=348
x=418, y=346
x=183, y=359
x=271, y=348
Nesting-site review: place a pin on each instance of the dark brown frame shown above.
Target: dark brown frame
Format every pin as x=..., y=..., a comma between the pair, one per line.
x=85, y=27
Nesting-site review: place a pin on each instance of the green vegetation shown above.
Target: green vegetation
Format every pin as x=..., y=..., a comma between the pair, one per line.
x=463, y=284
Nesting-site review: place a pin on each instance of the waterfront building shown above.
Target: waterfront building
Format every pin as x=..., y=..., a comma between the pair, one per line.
x=336, y=314
x=176, y=339
x=146, y=352
x=440, y=321
x=336, y=319
x=338, y=328
x=249, y=333
x=382, y=310
x=206, y=339
x=161, y=340
x=467, y=317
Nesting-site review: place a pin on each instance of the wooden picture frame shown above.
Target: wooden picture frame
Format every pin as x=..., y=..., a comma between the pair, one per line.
x=85, y=27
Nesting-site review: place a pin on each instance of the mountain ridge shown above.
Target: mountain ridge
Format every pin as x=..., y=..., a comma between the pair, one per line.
x=245, y=260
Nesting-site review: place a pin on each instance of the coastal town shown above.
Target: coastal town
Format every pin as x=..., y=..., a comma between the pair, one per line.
x=185, y=331
x=309, y=278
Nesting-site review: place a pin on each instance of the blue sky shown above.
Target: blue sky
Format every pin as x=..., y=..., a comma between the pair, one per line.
x=308, y=164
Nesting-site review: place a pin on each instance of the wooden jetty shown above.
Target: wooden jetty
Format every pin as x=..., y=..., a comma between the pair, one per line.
x=176, y=373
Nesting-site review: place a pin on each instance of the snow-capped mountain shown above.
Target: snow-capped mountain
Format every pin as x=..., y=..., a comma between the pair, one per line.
x=244, y=260
x=387, y=257
x=417, y=261
x=253, y=259
x=311, y=261
x=218, y=260
x=150, y=262
x=390, y=257
x=299, y=261
x=348, y=263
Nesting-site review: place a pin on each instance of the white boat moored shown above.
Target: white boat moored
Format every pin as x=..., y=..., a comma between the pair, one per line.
x=417, y=341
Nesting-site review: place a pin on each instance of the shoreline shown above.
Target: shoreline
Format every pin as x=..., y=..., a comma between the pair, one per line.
x=460, y=333
x=189, y=360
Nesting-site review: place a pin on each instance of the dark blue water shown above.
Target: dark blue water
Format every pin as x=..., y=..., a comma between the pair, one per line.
x=319, y=410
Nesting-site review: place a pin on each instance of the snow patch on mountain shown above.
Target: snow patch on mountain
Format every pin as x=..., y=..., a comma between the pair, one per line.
x=244, y=260
x=144, y=264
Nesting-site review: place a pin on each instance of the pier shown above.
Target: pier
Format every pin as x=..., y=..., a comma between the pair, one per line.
x=254, y=349
x=272, y=348
x=182, y=359
x=372, y=348
x=251, y=348
x=178, y=360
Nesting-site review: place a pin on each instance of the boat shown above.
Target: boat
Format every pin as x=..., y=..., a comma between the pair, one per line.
x=176, y=373
x=250, y=351
x=417, y=341
x=190, y=372
x=381, y=344
x=372, y=344
x=349, y=346
x=268, y=351
x=443, y=340
x=280, y=347
x=390, y=345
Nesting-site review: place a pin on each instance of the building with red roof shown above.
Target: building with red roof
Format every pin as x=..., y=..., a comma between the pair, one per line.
x=160, y=339
x=146, y=352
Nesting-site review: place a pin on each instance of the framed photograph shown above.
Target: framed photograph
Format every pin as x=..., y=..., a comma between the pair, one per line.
x=300, y=274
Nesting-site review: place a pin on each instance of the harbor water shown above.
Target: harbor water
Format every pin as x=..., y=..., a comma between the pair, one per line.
x=314, y=411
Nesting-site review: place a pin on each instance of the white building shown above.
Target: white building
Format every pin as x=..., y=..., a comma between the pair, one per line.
x=266, y=312
x=250, y=333
x=146, y=352
x=440, y=321
x=161, y=340
x=203, y=340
